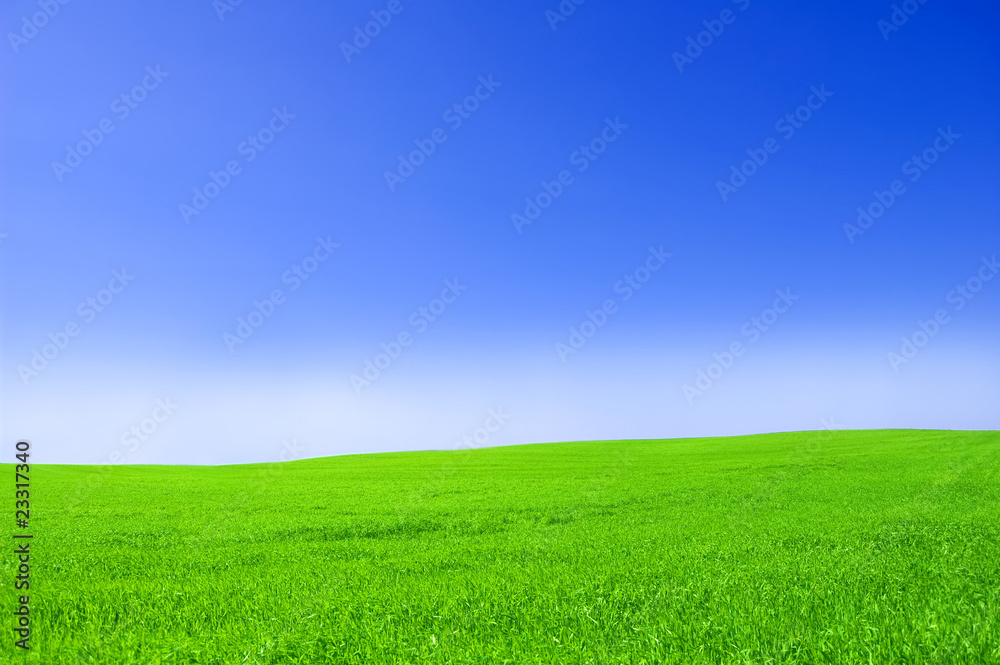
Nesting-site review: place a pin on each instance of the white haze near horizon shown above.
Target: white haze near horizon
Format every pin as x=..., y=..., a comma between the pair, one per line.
x=71, y=417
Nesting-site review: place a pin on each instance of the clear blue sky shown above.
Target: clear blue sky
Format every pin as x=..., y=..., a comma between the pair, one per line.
x=309, y=129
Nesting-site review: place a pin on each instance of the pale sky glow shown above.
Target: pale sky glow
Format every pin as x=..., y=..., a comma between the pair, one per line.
x=238, y=214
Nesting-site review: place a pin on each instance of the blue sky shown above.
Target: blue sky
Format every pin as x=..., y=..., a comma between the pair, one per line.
x=309, y=128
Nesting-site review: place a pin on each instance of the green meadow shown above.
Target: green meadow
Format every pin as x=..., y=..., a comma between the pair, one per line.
x=812, y=547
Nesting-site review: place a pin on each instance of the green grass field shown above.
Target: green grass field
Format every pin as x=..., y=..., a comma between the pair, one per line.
x=816, y=547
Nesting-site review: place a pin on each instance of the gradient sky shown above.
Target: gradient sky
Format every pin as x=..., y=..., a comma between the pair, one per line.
x=286, y=391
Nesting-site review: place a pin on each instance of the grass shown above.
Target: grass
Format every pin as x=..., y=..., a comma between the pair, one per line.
x=812, y=547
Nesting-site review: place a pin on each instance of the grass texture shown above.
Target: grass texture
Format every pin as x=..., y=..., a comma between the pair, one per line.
x=811, y=547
